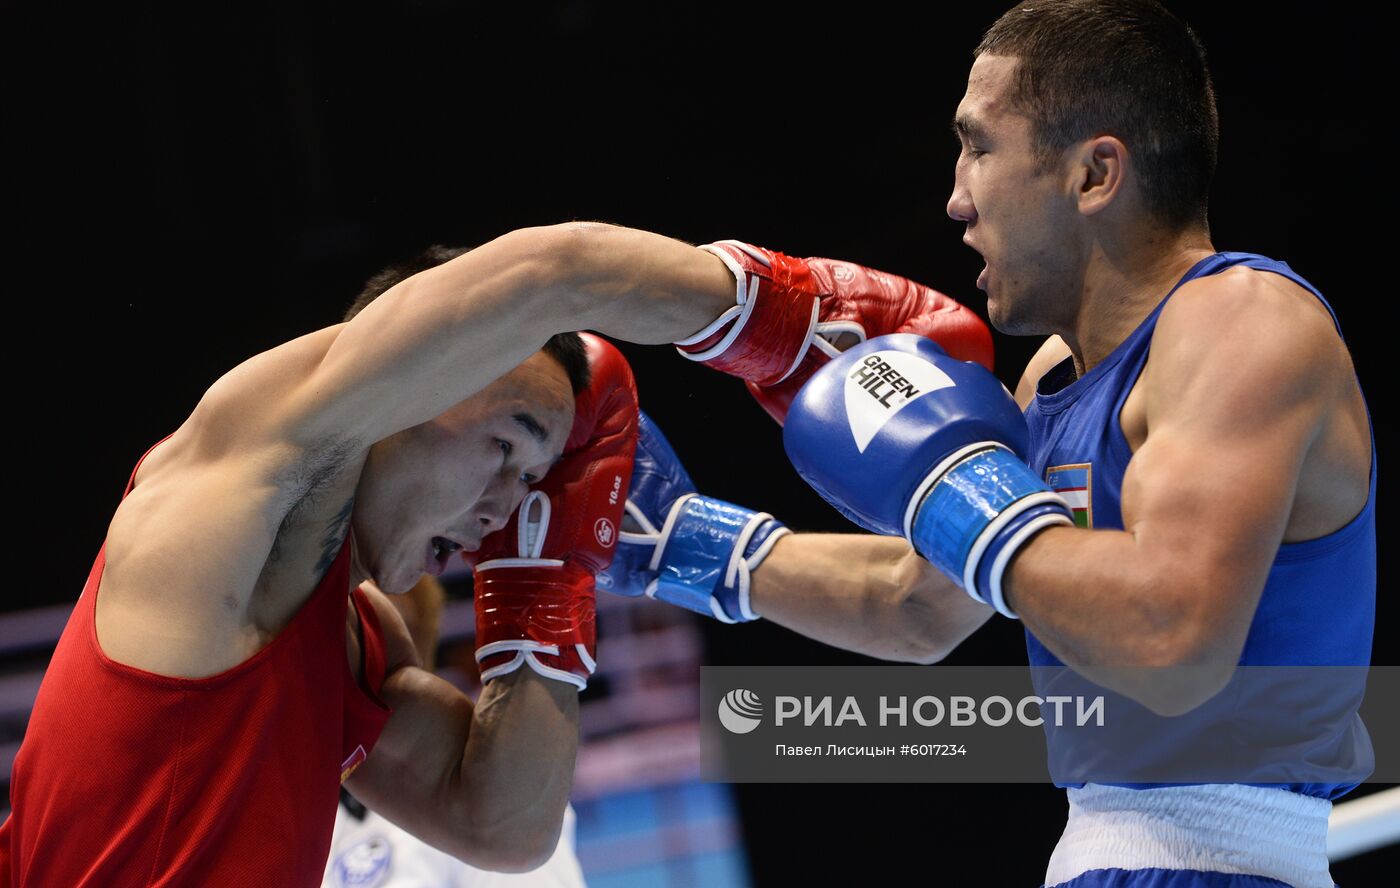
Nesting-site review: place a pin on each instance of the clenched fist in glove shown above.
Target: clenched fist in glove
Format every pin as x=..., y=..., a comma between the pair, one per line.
x=790, y=312
x=694, y=551
x=535, y=577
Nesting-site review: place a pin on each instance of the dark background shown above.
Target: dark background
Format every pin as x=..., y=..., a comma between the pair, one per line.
x=189, y=187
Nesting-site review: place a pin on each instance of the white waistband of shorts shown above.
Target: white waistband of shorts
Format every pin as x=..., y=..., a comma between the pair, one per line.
x=1214, y=827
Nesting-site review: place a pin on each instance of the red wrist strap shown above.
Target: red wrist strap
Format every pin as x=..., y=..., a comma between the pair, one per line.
x=537, y=613
x=768, y=330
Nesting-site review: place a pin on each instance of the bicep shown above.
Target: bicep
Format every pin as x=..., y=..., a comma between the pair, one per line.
x=494, y=802
x=421, y=744
x=409, y=777
x=1235, y=396
x=435, y=339
x=426, y=344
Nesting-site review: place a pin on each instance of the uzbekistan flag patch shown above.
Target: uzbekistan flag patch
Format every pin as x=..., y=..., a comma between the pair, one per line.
x=1074, y=482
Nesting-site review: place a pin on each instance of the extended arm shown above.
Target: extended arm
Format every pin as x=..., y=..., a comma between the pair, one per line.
x=869, y=594
x=441, y=335
x=1246, y=371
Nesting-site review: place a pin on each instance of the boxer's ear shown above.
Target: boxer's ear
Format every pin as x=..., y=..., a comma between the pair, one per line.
x=1099, y=169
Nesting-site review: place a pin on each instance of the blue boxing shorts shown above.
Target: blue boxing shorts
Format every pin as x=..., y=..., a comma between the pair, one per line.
x=1215, y=835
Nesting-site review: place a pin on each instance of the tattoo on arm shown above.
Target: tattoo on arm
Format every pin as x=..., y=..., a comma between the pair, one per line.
x=313, y=481
x=334, y=537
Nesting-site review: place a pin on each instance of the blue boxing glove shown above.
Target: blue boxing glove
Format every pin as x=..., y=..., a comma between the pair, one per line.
x=690, y=550
x=906, y=441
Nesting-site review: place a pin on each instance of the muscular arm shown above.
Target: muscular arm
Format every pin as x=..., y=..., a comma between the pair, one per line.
x=1242, y=377
x=864, y=593
x=486, y=783
x=290, y=426
x=874, y=595
x=438, y=337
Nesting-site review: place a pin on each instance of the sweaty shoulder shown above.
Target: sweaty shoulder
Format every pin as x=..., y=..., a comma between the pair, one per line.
x=1264, y=319
x=190, y=586
x=254, y=423
x=1248, y=354
x=1243, y=289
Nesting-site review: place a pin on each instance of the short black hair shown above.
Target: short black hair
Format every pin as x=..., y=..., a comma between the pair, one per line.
x=566, y=348
x=1123, y=67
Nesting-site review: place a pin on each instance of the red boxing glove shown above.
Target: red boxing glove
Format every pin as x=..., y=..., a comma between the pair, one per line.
x=535, y=576
x=790, y=312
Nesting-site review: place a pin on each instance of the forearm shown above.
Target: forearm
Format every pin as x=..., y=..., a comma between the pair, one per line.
x=635, y=285
x=517, y=767
x=485, y=783
x=1109, y=606
x=864, y=593
x=440, y=336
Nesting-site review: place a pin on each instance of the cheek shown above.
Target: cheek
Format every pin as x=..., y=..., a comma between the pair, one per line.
x=417, y=498
x=463, y=481
x=1027, y=228
x=378, y=496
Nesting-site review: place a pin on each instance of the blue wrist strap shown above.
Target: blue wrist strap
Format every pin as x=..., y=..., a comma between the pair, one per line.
x=974, y=511
x=708, y=549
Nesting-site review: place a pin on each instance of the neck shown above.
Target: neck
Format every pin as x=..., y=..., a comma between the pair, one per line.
x=1121, y=287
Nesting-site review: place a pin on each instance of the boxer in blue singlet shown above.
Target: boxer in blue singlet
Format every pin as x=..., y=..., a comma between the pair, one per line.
x=1198, y=410
x=1198, y=487
x=1200, y=459
x=1209, y=834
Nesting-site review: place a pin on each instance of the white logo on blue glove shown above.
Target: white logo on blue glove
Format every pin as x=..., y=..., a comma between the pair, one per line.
x=881, y=385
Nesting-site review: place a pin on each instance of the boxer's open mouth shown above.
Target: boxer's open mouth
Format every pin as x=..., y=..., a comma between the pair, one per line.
x=440, y=553
x=986, y=266
x=442, y=547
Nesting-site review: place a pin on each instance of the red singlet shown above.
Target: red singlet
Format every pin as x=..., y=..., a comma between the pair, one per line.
x=128, y=778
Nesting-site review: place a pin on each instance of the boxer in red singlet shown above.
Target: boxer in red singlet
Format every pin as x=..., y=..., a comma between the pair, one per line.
x=218, y=681
x=214, y=686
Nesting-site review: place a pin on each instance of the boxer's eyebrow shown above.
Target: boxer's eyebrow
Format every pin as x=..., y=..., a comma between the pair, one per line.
x=967, y=128
x=536, y=430
x=531, y=425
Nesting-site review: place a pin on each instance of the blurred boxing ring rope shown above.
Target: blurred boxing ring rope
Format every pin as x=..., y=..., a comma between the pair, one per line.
x=1355, y=827
x=1364, y=824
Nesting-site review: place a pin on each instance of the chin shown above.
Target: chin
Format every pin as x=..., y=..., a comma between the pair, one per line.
x=1004, y=319
x=1000, y=317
